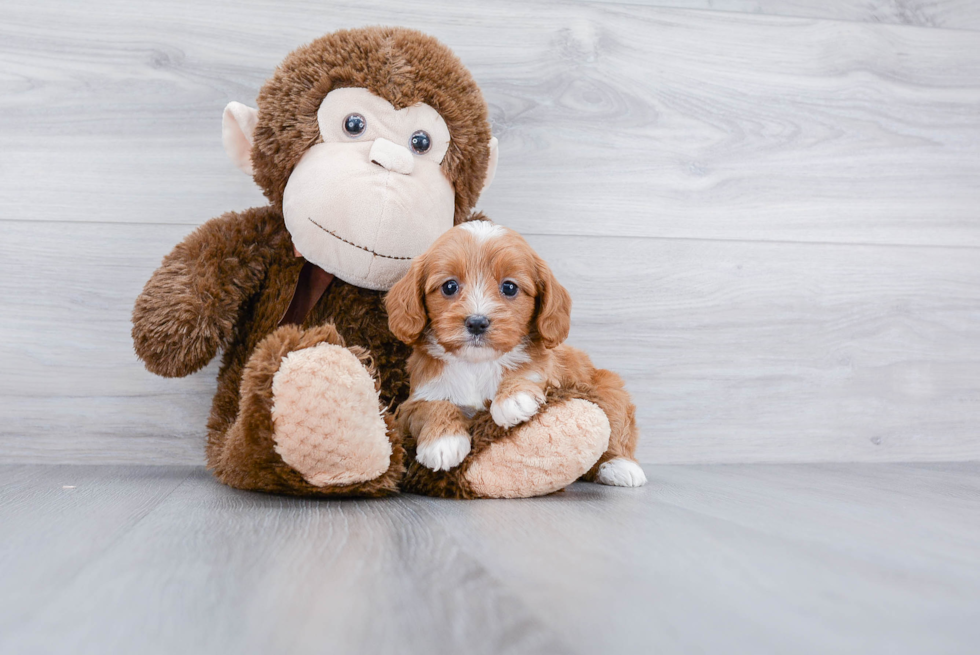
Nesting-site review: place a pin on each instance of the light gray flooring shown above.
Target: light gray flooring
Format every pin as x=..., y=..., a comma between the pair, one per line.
x=835, y=558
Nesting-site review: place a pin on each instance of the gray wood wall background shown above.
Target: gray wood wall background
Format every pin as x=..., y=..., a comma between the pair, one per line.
x=768, y=212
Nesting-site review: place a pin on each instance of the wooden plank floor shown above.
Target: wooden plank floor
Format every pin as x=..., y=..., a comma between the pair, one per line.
x=833, y=558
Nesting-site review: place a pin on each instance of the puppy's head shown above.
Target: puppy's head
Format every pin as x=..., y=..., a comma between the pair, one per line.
x=477, y=293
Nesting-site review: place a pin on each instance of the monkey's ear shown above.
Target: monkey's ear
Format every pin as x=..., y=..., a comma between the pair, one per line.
x=491, y=164
x=237, y=125
x=406, y=304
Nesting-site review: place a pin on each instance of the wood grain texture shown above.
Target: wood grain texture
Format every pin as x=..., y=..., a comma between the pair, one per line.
x=745, y=559
x=56, y=520
x=613, y=119
x=950, y=14
x=768, y=220
x=216, y=570
x=733, y=351
x=866, y=559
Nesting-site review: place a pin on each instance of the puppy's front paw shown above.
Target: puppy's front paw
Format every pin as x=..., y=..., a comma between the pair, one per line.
x=443, y=453
x=621, y=472
x=514, y=409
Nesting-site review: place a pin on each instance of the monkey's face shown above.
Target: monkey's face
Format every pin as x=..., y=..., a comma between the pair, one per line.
x=365, y=187
x=371, y=195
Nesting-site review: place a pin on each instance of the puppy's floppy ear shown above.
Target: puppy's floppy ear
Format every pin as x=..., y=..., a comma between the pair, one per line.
x=406, y=304
x=554, y=307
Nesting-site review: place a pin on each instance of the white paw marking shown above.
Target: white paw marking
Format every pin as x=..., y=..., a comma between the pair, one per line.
x=444, y=453
x=514, y=410
x=621, y=472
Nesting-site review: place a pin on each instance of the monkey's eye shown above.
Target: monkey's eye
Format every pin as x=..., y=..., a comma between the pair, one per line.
x=354, y=125
x=421, y=142
x=509, y=288
x=449, y=288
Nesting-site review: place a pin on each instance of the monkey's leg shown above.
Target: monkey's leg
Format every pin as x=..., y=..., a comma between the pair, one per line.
x=309, y=421
x=548, y=453
x=554, y=448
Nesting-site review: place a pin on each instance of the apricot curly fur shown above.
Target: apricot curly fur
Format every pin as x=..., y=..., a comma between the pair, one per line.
x=535, y=323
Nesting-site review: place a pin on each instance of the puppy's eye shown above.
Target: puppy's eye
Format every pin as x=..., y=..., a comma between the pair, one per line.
x=449, y=288
x=421, y=142
x=509, y=289
x=354, y=125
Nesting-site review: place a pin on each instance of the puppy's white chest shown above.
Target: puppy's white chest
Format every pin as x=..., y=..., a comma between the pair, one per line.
x=466, y=384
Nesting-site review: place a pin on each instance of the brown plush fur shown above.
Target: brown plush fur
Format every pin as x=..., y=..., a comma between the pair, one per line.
x=535, y=321
x=227, y=284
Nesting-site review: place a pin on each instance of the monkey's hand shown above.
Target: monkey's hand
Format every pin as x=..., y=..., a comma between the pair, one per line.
x=190, y=305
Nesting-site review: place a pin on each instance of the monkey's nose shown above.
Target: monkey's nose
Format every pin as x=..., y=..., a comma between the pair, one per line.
x=392, y=156
x=476, y=325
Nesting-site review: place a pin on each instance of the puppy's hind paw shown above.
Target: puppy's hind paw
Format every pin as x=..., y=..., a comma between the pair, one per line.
x=443, y=453
x=514, y=409
x=621, y=472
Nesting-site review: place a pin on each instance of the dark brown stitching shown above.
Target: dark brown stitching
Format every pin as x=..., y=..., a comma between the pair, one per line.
x=351, y=243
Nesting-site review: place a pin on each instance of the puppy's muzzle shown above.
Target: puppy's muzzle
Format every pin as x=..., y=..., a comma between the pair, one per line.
x=477, y=324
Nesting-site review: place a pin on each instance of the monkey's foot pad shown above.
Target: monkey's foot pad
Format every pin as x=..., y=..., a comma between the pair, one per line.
x=549, y=453
x=327, y=417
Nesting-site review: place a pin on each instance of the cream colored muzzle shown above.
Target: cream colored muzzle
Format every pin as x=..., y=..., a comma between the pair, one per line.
x=349, y=212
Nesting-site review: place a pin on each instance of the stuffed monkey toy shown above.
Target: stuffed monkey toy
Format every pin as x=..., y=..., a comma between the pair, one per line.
x=369, y=144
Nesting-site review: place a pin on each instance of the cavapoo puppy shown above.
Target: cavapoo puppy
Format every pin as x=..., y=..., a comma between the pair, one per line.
x=487, y=319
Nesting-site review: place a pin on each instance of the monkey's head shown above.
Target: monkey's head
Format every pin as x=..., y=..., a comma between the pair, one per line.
x=372, y=142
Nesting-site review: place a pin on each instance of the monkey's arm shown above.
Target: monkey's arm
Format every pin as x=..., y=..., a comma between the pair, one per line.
x=189, y=307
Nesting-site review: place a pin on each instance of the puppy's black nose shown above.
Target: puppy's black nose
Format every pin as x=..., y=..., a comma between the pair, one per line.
x=476, y=324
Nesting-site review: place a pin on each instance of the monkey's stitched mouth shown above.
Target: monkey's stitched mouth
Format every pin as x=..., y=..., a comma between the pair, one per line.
x=351, y=243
